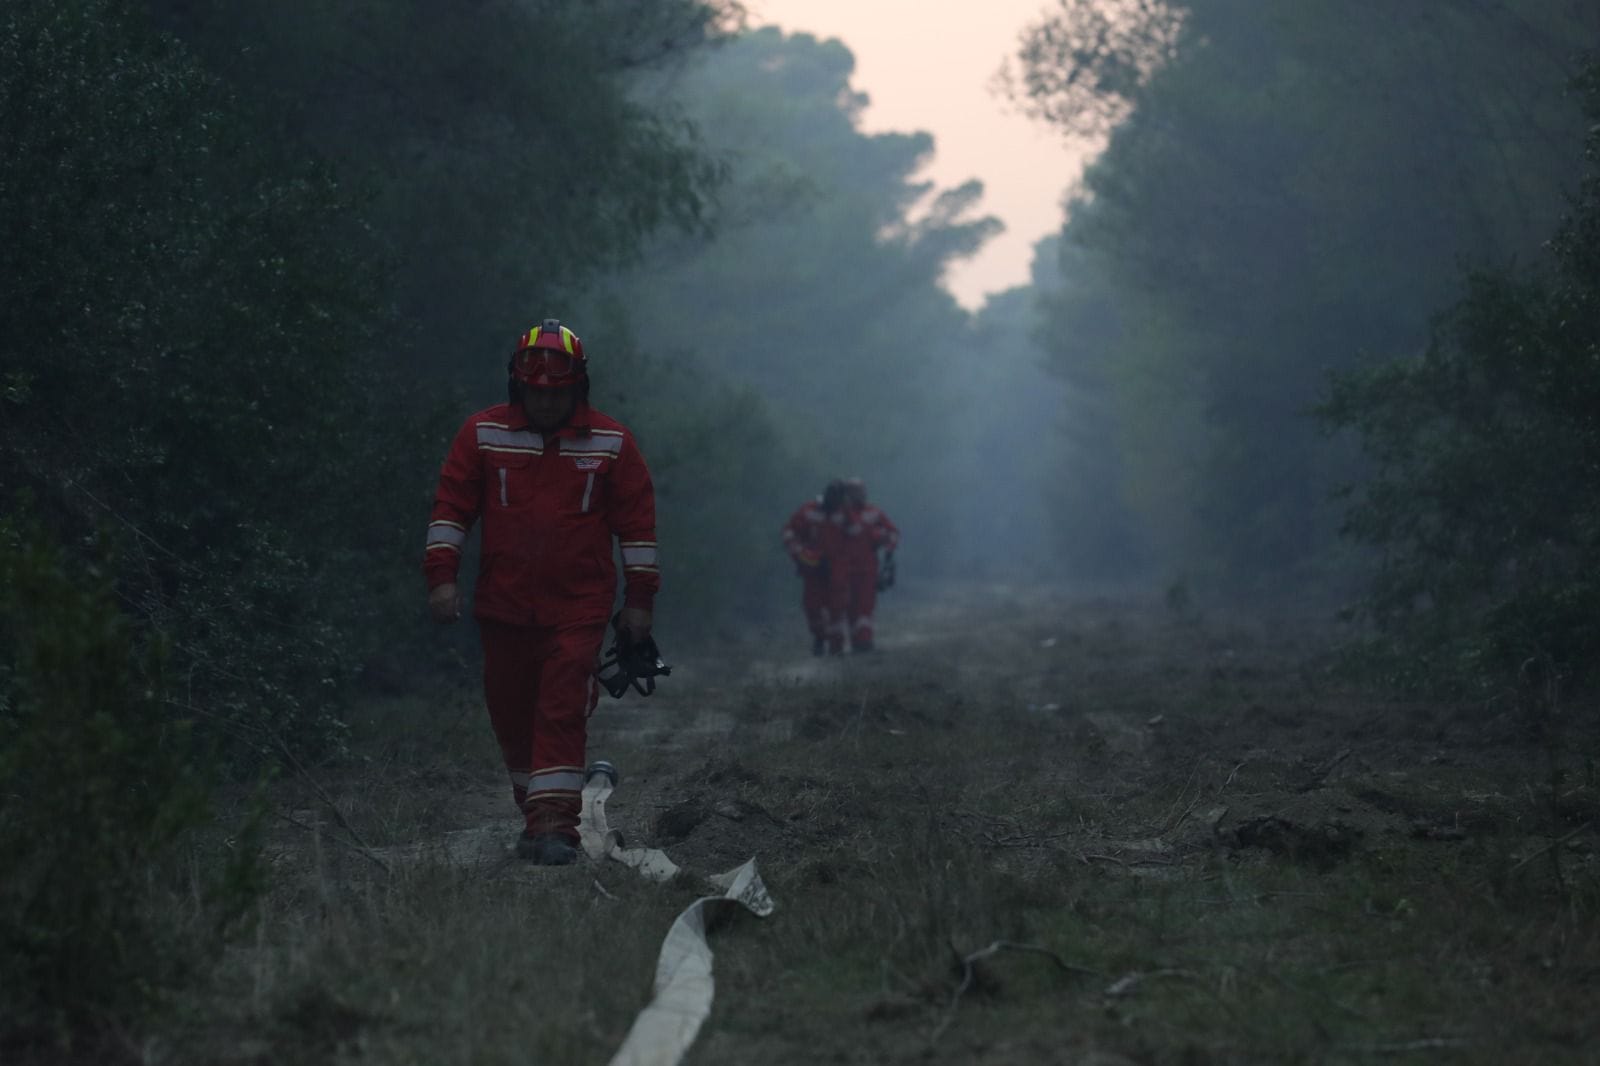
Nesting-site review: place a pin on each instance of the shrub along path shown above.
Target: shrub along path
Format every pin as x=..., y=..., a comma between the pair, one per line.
x=1190, y=839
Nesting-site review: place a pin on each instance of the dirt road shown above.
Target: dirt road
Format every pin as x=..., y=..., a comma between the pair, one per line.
x=1193, y=839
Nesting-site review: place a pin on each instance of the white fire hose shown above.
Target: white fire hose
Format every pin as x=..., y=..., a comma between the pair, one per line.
x=663, y=1031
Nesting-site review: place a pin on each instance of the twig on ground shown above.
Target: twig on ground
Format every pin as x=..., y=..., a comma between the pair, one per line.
x=969, y=962
x=1319, y=776
x=355, y=846
x=1186, y=812
x=1025, y=840
x=602, y=890
x=1550, y=847
x=1431, y=1043
x=333, y=808
x=1086, y=857
x=1234, y=772
x=1168, y=824
x=1125, y=985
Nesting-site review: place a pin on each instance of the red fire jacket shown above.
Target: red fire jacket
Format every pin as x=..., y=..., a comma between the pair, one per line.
x=550, y=504
x=882, y=532
x=802, y=534
x=857, y=536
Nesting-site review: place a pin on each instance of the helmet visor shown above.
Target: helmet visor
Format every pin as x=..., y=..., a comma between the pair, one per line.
x=534, y=363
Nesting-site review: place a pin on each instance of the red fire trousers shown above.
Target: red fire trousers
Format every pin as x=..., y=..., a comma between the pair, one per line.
x=540, y=686
x=852, y=595
x=814, y=601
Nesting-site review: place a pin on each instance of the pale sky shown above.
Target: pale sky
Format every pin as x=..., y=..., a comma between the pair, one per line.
x=928, y=65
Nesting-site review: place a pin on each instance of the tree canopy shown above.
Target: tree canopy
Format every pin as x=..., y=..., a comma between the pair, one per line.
x=821, y=288
x=1484, y=496
x=1286, y=188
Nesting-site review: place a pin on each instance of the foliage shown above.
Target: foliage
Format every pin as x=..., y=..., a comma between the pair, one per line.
x=1485, y=491
x=716, y=455
x=180, y=345
x=820, y=292
x=508, y=155
x=101, y=793
x=523, y=151
x=1083, y=67
x=1289, y=187
x=1093, y=506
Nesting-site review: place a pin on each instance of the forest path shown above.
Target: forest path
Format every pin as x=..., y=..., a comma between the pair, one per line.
x=1231, y=853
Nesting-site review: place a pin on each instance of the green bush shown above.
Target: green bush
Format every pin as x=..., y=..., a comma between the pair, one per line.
x=1484, y=498
x=186, y=357
x=102, y=795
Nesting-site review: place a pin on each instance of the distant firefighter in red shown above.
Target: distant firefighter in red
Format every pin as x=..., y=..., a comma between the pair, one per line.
x=803, y=540
x=834, y=541
x=854, y=575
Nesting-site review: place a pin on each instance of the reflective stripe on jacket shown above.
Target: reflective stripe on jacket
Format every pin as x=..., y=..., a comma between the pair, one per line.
x=851, y=538
x=550, y=505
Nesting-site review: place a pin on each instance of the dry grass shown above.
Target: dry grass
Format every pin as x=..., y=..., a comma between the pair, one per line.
x=1242, y=858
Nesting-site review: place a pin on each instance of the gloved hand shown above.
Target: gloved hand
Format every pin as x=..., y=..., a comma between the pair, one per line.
x=633, y=623
x=444, y=603
x=633, y=661
x=886, y=573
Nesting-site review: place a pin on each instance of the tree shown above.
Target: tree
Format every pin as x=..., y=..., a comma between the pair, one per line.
x=102, y=796
x=820, y=291
x=1289, y=187
x=1484, y=495
x=176, y=293
x=507, y=155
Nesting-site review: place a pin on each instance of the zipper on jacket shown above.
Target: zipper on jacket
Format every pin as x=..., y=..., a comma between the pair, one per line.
x=503, y=501
x=588, y=487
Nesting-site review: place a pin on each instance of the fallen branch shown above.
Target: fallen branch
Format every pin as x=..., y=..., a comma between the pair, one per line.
x=1086, y=857
x=1125, y=985
x=968, y=971
x=1548, y=848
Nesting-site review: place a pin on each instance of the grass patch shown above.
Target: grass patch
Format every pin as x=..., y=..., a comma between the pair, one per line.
x=1150, y=803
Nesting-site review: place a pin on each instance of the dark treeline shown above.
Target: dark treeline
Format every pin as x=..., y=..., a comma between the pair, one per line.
x=1291, y=197
x=1286, y=191
x=255, y=283
x=255, y=259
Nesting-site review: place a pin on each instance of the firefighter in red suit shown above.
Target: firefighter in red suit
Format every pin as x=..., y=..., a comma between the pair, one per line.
x=852, y=547
x=553, y=481
x=803, y=540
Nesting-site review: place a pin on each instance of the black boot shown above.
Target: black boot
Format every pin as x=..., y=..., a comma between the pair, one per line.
x=546, y=849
